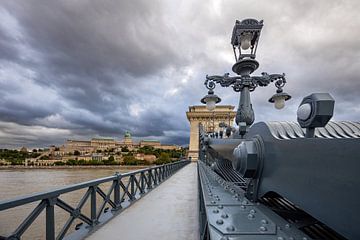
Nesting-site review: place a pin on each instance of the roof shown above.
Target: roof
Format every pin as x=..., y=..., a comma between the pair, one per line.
x=150, y=140
x=103, y=138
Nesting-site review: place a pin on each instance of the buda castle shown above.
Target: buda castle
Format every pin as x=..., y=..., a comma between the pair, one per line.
x=102, y=143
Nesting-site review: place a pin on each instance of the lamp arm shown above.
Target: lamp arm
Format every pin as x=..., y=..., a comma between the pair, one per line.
x=266, y=79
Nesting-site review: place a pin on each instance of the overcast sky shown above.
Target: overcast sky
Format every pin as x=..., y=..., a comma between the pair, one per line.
x=78, y=69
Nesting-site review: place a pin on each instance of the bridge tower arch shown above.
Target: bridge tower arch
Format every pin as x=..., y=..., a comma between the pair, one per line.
x=210, y=120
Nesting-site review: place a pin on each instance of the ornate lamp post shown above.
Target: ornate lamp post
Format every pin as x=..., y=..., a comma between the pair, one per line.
x=245, y=38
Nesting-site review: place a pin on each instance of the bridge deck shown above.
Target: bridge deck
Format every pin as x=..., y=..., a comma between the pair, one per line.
x=170, y=211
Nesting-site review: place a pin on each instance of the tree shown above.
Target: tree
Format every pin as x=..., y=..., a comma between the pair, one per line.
x=163, y=159
x=125, y=149
x=129, y=160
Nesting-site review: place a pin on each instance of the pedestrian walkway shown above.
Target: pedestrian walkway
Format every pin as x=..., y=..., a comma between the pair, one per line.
x=170, y=211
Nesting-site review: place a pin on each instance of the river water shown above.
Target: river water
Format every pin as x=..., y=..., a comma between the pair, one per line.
x=17, y=182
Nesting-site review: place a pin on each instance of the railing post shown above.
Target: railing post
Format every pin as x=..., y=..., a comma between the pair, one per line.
x=155, y=175
x=132, y=188
x=149, y=179
x=117, y=191
x=93, y=205
x=142, y=183
x=162, y=173
x=50, y=219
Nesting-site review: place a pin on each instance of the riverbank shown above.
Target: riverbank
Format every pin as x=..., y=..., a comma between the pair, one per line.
x=126, y=167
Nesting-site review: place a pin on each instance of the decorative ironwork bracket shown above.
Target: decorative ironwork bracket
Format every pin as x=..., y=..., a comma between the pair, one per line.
x=251, y=82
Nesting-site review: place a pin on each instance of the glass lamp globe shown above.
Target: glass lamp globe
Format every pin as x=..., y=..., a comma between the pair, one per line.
x=210, y=100
x=246, y=41
x=279, y=102
x=210, y=104
x=279, y=99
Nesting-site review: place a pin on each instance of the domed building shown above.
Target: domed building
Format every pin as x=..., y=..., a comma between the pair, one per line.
x=127, y=139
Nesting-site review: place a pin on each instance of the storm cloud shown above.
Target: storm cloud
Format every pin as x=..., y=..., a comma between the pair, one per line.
x=78, y=69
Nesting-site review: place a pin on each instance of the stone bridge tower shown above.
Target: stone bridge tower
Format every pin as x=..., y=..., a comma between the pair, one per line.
x=210, y=120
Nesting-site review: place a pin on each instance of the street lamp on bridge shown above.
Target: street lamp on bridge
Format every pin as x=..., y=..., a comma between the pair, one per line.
x=245, y=38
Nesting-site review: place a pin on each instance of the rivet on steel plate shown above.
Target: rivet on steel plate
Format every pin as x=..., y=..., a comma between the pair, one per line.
x=242, y=207
x=220, y=207
x=219, y=221
x=287, y=225
x=263, y=229
x=215, y=211
x=224, y=215
x=230, y=228
x=251, y=216
x=213, y=202
x=264, y=221
x=252, y=211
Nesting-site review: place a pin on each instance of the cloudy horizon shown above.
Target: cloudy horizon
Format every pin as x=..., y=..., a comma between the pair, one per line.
x=80, y=69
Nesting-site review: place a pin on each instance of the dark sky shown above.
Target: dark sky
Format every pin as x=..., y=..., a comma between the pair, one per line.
x=78, y=69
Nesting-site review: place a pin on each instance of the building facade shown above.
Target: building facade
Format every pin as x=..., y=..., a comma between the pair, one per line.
x=102, y=144
x=210, y=120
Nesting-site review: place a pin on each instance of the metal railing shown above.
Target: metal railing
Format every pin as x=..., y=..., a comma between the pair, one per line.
x=124, y=190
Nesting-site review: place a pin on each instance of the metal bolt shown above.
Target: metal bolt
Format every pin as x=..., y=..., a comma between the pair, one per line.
x=242, y=207
x=263, y=229
x=230, y=228
x=224, y=215
x=251, y=216
x=264, y=221
x=252, y=211
x=220, y=207
x=245, y=201
x=213, y=202
x=219, y=221
x=287, y=225
x=215, y=211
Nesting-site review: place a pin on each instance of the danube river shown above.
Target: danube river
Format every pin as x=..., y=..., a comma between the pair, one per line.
x=16, y=182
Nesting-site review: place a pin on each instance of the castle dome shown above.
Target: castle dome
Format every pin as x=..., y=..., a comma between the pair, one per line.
x=127, y=134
